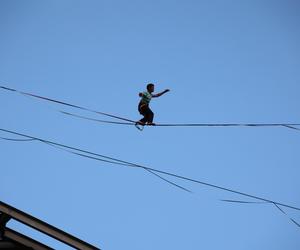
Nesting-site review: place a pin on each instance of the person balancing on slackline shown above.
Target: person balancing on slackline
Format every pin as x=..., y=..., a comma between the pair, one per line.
x=144, y=108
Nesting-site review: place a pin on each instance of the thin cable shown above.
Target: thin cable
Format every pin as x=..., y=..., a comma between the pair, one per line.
x=67, y=149
x=166, y=180
x=224, y=189
x=95, y=120
x=246, y=202
x=290, y=126
x=16, y=140
x=86, y=156
x=158, y=171
x=228, y=125
x=66, y=104
x=287, y=125
x=277, y=206
x=129, y=165
x=282, y=211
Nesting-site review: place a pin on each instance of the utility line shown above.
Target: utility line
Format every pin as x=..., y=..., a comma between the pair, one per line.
x=130, y=165
x=117, y=161
x=17, y=140
x=84, y=153
x=277, y=206
x=246, y=202
x=132, y=122
x=282, y=211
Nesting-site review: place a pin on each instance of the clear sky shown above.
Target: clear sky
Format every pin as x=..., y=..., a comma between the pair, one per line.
x=224, y=61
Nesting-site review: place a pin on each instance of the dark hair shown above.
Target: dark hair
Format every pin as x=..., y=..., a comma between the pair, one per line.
x=150, y=85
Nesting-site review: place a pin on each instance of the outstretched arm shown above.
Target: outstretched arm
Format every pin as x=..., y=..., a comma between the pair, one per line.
x=161, y=93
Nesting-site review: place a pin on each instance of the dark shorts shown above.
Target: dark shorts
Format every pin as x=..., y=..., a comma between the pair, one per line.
x=146, y=112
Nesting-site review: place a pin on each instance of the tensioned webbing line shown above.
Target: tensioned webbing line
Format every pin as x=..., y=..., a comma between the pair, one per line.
x=117, y=161
x=132, y=122
x=288, y=125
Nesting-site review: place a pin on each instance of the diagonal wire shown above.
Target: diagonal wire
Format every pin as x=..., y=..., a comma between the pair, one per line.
x=291, y=127
x=166, y=180
x=282, y=211
x=106, y=161
x=277, y=206
x=95, y=120
x=86, y=156
x=17, y=140
x=159, y=171
x=102, y=160
x=65, y=103
x=287, y=125
x=129, y=165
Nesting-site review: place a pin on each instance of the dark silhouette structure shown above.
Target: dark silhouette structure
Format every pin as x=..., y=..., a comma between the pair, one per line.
x=10, y=239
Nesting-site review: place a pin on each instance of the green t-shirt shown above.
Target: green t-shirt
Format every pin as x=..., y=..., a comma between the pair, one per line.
x=146, y=97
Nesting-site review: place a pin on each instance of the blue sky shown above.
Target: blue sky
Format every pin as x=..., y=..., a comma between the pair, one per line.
x=224, y=61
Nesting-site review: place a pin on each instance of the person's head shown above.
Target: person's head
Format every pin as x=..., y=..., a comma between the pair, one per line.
x=150, y=87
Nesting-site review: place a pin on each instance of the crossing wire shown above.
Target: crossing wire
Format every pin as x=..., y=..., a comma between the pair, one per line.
x=277, y=206
x=157, y=171
x=84, y=153
x=127, y=121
